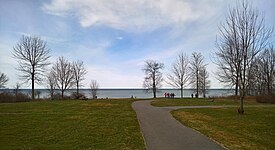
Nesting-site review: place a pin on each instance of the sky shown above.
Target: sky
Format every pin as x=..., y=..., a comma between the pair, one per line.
x=114, y=37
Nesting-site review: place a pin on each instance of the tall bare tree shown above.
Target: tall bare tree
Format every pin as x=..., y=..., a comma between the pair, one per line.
x=63, y=74
x=3, y=80
x=153, y=75
x=267, y=58
x=261, y=76
x=51, y=83
x=94, y=88
x=196, y=65
x=244, y=33
x=79, y=74
x=204, y=82
x=228, y=60
x=16, y=88
x=32, y=55
x=179, y=73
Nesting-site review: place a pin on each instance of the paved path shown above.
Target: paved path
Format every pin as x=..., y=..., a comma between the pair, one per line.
x=162, y=132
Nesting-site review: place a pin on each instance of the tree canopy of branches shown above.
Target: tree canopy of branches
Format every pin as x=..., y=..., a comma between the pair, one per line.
x=196, y=66
x=3, y=80
x=79, y=72
x=179, y=73
x=32, y=55
x=94, y=88
x=153, y=75
x=51, y=83
x=242, y=37
x=204, y=82
x=262, y=74
x=63, y=75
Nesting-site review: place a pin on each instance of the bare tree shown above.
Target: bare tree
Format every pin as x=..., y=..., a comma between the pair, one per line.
x=16, y=88
x=51, y=83
x=94, y=88
x=267, y=58
x=179, y=73
x=196, y=65
x=3, y=80
x=153, y=75
x=261, y=75
x=79, y=73
x=32, y=55
x=228, y=61
x=246, y=34
x=204, y=82
x=63, y=74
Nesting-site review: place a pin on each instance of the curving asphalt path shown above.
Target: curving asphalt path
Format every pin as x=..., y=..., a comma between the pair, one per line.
x=162, y=132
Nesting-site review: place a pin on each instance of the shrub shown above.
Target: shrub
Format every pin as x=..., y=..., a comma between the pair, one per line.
x=266, y=99
x=6, y=97
x=79, y=96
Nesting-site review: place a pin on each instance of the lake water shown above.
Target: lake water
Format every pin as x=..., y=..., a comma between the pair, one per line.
x=127, y=93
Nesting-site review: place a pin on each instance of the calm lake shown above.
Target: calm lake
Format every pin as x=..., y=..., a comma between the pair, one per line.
x=127, y=93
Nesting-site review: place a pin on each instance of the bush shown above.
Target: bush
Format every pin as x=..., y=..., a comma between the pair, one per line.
x=266, y=99
x=11, y=97
x=79, y=96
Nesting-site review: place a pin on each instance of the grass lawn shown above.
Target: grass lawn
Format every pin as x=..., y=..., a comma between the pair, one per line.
x=253, y=130
x=200, y=102
x=100, y=124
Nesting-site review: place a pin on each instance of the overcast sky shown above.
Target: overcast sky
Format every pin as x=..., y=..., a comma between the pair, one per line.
x=114, y=37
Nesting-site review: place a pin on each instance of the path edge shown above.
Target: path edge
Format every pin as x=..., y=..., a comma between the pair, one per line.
x=195, y=129
x=145, y=144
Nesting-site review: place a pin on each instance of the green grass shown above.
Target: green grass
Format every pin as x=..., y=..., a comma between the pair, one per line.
x=253, y=130
x=199, y=102
x=101, y=124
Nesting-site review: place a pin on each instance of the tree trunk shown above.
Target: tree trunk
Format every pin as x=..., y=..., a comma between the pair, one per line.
x=236, y=87
x=154, y=85
x=51, y=94
x=181, y=91
x=197, y=95
x=77, y=90
x=32, y=82
x=241, y=109
x=62, y=94
x=154, y=90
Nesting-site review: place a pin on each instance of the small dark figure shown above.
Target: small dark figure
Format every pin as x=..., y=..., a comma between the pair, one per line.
x=168, y=95
x=173, y=95
x=196, y=95
x=192, y=95
x=165, y=95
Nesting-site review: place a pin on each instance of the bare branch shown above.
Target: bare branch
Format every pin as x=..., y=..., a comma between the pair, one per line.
x=3, y=80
